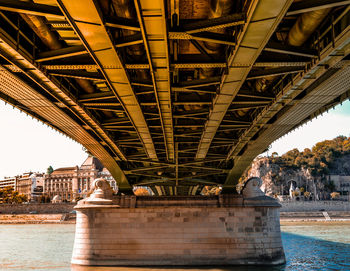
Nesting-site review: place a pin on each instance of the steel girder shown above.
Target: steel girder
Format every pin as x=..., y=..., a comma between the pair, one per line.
x=262, y=20
x=313, y=85
x=89, y=25
x=36, y=104
x=214, y=113
x=154, y=31
x=31, y=8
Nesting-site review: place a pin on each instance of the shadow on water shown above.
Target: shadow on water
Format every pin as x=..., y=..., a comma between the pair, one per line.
x=302, y=253
x=198, y=268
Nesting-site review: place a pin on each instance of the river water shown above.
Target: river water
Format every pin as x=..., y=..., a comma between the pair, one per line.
x=308, y=246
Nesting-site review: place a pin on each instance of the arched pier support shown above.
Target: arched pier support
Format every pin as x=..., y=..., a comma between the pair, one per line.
x=152, y=231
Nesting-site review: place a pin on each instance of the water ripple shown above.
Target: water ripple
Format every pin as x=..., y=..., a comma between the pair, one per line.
x=322, y=246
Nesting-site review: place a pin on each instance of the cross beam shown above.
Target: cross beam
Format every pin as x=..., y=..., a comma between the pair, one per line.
x=31, y=8
x=61, y=53
x=312, y=5
x=290, y=50
x=214, y=24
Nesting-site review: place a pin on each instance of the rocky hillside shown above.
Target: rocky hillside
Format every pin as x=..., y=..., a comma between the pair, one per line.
x=277, y=178
x=309, y=169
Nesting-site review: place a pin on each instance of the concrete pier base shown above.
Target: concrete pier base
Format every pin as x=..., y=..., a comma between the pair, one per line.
x=153, y=231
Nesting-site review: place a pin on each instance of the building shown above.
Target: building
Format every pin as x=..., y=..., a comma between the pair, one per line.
x=71, y=183
x=8, y=182
x=37, y=187
x=24, y=184
x=60, y=183
x=29, y=184
x=68, y=183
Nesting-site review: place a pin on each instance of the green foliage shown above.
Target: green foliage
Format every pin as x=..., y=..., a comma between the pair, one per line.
x=44, y=199
x=274, y=154
x=295, y=193
x=307, y=194
x=329, y=186
x=319, y=159
x=49, y=170
x=335, y=195
x=211, y=190
x=8, y=195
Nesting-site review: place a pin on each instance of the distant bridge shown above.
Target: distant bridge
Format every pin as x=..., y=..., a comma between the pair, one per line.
x=174, y=94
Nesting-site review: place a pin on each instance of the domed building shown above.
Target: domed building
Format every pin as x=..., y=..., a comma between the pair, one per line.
x=71, y=183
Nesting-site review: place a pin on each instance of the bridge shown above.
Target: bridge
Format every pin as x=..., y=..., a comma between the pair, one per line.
x=177, y=94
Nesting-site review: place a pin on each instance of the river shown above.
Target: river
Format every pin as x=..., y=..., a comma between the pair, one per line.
x=308, y=246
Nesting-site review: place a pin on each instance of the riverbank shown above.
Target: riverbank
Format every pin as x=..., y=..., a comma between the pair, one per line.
x=64, y=218
x=315, y=216
x=37, y=218
x=62, y=213
x=314, y=222
x=37, y=208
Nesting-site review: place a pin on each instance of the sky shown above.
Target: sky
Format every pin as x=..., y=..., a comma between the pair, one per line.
x=327, y=126
x=28, y=145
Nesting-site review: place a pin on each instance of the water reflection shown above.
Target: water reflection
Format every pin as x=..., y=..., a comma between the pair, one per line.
x=231, y=268
x=302, y=252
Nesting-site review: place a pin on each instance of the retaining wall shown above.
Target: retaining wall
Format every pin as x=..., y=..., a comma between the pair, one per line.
x=314, y=206
x=40, y=208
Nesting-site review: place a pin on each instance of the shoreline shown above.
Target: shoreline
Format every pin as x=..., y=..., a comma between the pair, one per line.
x=58, y=218
x=285, y=218
x=307, y=220
x=34, y=222
x=314, y=222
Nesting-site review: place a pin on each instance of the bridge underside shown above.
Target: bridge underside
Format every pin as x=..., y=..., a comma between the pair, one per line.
x=175, y=94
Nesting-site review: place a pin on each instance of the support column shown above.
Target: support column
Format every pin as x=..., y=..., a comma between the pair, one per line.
x=195, y=230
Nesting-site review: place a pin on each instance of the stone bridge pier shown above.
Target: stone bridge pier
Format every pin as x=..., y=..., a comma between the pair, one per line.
x=172, y=230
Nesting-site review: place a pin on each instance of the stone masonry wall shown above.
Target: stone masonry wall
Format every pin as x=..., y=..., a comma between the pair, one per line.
x=177, y=236
x=314, y=206
x=42, y=208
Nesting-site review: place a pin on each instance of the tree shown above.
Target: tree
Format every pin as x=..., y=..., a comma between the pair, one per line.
x=140, y=191
x=8, y=195
x=42, y=199
x=295, y=193
x=330, y=186
x=274, y=154
x=49, y=170
x=335, y=195
x=211, y=190
x=307, y=194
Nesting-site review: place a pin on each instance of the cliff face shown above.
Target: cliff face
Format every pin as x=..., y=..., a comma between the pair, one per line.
x=277, y=178
x=310, y=169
